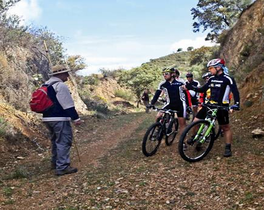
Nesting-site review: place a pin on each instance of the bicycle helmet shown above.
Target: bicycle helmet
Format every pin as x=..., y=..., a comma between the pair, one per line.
x=176, y=71
x=167, y=70
x=189, y=74
x=207, y=74
x=216, y=62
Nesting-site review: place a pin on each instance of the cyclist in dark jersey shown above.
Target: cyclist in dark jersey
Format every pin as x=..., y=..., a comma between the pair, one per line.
x=175, y=96
x=220, y=85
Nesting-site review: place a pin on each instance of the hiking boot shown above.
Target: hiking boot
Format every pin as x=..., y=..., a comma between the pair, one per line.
x=68, y=170
x=228, y=152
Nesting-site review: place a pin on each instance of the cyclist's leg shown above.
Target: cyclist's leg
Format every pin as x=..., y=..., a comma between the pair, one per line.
x=158, y=116
x=182, y=123
x=194, y=106
x=223, y=120
x=200, y=115
x=181, y=114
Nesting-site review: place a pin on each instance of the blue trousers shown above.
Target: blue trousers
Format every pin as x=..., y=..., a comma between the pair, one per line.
x=61, y=141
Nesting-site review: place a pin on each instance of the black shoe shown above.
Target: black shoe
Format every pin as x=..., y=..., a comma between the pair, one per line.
x=228, y=152
x=68, y=170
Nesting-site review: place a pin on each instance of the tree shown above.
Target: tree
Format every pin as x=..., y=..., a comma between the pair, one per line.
x=76, y=63
x=201, y=55
x=190, y=49
x=217, y=15
x=179, y=50
x=138, y=79
x=5, y=5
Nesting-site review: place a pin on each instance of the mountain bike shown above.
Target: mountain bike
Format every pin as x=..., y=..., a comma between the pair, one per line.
x=166, y=126
x=198, y=138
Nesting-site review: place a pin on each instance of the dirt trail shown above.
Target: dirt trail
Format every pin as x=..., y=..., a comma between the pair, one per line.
x=103, y=139
x=94, y=140
x=114, y=174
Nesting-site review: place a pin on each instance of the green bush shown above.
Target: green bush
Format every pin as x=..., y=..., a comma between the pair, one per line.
x=91, y=80
x=124, y=94
x=95, y=105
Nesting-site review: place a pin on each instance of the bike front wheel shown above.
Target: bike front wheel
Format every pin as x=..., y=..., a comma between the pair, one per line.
x=193, y=146
x=152, y=139
x=172, y=132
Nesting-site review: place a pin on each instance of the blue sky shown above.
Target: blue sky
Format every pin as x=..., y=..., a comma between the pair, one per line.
x=115, y=34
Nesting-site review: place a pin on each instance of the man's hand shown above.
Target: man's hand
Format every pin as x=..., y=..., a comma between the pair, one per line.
x=77, y=122
x=149, y=106
x=184, y=87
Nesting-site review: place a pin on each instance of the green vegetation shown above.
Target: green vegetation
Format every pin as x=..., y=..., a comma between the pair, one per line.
x=148, y=75
x=91, y=80
x=217, y=15
x=138, y=79
x=127, y=95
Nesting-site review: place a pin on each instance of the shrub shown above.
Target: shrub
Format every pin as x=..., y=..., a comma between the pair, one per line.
x=124, y=94
x=95, y=105
x=20, y=173
x=91, y=80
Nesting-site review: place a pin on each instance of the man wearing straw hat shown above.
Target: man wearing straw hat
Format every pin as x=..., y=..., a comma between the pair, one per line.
x=58, y=118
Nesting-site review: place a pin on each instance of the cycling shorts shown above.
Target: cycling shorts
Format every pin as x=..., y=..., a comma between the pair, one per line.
x=222, y=116
x=181, y=111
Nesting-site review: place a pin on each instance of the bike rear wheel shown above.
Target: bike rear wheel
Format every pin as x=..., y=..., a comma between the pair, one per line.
x=194, y=149
x=152, y=139
x=170, y=137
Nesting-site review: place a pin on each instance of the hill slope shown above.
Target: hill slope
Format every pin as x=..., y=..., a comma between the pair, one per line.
x=243, y=50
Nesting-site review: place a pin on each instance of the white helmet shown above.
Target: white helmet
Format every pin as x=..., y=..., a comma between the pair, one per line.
x=216, y=62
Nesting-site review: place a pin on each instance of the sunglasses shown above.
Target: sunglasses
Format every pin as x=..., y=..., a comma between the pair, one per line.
x=166, y=73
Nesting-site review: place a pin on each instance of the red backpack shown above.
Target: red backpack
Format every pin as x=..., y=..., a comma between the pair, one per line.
x=40, y=101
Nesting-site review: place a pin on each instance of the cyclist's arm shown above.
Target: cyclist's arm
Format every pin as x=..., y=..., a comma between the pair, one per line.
x=188, y=97
x=199, y=89
x=155, y=97
x=235, y=92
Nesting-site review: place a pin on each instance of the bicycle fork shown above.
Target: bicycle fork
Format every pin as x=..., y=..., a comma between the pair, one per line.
x=207, y=133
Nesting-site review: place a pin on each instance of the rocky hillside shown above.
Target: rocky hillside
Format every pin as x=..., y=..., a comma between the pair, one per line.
x=243, y=49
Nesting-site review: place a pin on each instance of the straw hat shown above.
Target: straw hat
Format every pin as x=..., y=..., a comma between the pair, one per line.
x=59, y=69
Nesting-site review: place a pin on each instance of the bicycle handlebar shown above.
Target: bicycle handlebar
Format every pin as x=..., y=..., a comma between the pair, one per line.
x=227, y=108
x=163, y=110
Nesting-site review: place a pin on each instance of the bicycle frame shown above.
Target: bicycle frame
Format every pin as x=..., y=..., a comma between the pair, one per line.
x=168, y=115
x=210, y=117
